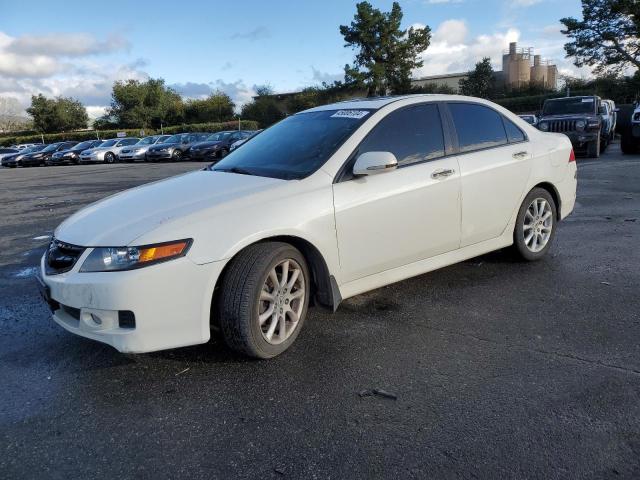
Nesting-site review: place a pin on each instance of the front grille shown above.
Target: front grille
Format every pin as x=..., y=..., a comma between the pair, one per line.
x=61, y=257
x=126, y=151
x=561, y=126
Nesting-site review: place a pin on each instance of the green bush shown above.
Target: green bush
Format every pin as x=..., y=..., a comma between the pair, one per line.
x=132, y=132
x=212, y=127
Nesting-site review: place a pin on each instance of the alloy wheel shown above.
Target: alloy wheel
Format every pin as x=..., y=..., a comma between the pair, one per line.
x=281, y=301
x=538, y=225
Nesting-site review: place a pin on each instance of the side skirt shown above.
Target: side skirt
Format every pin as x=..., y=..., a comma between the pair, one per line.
x=393, y=275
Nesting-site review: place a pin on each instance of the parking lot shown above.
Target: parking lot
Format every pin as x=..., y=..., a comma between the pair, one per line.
x=488, y=369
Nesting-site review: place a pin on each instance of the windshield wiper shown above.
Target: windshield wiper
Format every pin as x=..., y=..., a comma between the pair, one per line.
x=238, y=170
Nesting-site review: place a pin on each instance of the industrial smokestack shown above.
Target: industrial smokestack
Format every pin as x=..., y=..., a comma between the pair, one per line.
x=512, y=47
x=537, y=60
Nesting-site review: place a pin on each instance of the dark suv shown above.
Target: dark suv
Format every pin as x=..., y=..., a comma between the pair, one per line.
x=216, y=146
x=580, y=119
x=175, y=148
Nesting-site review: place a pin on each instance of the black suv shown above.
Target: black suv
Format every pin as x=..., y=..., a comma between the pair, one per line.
x=175, y=148
x=579, y=118
x=42, y=157
x=72, y=155
x=216, y=146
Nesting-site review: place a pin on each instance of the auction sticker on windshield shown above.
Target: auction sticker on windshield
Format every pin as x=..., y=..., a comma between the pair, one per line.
x=350, y=114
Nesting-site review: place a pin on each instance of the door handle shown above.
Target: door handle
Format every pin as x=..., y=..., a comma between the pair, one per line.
x=442, y=173
x=520, y=154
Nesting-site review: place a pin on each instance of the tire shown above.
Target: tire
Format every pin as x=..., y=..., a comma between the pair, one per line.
x=604, y=143
x=527, y=250
x=176, y=156
x=240, y=302
x=628, y=144
x=223, y=153
x=109, y=157
x=593, y=149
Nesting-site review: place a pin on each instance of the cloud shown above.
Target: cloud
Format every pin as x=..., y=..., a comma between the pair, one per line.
x=524, y=3
x=451, y=51
x=66, y=45
x=239, y=92
x=258, y=33
x=30, y=65
x=320, y=77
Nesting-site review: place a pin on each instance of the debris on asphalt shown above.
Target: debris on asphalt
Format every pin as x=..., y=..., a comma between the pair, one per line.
x=183, y=371
x=279, y=470
x=630, y=219
x=377, y=392
x=605, y=283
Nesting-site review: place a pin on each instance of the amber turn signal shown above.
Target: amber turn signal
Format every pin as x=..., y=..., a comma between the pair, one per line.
x=160, y=252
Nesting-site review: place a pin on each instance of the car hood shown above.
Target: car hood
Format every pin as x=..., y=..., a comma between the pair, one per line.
x=160, y=146
x=567, y=116
x=120, y=219
x=89, y=151
x=205, y=144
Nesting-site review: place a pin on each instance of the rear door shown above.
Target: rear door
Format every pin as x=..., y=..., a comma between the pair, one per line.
x=495, y=161
x=405, y=215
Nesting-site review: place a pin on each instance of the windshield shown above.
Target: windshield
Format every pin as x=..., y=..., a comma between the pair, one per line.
x=51, y=147
x=216, y=137
x=295, y=147
x=108, y=143
x=174, y=139
x=569, y=106
x=146, y=141
x=83, y=145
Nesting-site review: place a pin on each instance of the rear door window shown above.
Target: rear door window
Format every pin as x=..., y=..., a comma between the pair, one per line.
x=514, y=134
x=477, y=126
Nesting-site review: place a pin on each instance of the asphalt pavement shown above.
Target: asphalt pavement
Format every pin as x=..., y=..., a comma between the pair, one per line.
x=491, y=368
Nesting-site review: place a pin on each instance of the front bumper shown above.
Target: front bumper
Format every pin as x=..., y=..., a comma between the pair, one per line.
x=635, y=130
x=132, y=156
x=154, y=155
x=581, y=139
x=203, y=154
x=171, y=303
x=61, y=160
x=94, y=157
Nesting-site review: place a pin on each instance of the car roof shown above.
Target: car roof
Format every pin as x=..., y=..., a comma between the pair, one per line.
x=376, y=103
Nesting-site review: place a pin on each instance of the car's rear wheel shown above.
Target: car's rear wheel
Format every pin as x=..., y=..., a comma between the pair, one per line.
x=593, y=148
x=264, y=299
x=109, y=157
x=535, y=225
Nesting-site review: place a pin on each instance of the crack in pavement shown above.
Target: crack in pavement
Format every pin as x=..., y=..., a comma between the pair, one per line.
x=567, y=356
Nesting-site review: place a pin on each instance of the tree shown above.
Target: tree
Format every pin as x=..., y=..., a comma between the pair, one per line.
x=136, y=104
x=607, y=36
x=12, y=117
x=386, y=54
x=60, y=114
x=479, y=82
x=264, y=108
x=218, y=107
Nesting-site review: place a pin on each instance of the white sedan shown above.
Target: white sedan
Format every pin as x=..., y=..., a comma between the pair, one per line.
x=107, y=151
x=326, y=204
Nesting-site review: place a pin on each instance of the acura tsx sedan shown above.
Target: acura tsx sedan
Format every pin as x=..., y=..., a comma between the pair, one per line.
x=326, y=204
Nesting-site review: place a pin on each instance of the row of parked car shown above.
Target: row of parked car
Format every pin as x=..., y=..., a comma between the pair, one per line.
x=589, y=121
x=198, y=146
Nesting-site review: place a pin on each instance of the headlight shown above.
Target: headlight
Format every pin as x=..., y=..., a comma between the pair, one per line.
x=580, y=124
x=544, y=126
x=112, y=259
x=68, y=154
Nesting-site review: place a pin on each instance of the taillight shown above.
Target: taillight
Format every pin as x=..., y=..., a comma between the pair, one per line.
x=572, y=156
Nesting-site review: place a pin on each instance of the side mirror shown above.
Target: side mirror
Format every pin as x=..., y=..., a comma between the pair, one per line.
x=371, y=163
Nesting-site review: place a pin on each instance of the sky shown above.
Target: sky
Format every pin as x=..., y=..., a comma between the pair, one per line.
x=78, y=48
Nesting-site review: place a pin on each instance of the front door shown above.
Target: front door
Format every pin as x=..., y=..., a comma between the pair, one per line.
x=394, y=218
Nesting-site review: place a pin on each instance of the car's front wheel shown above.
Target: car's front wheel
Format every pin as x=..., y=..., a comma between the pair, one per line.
x=176, y=156
x=109, y=157
x=535, y=225
x=264, y=299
